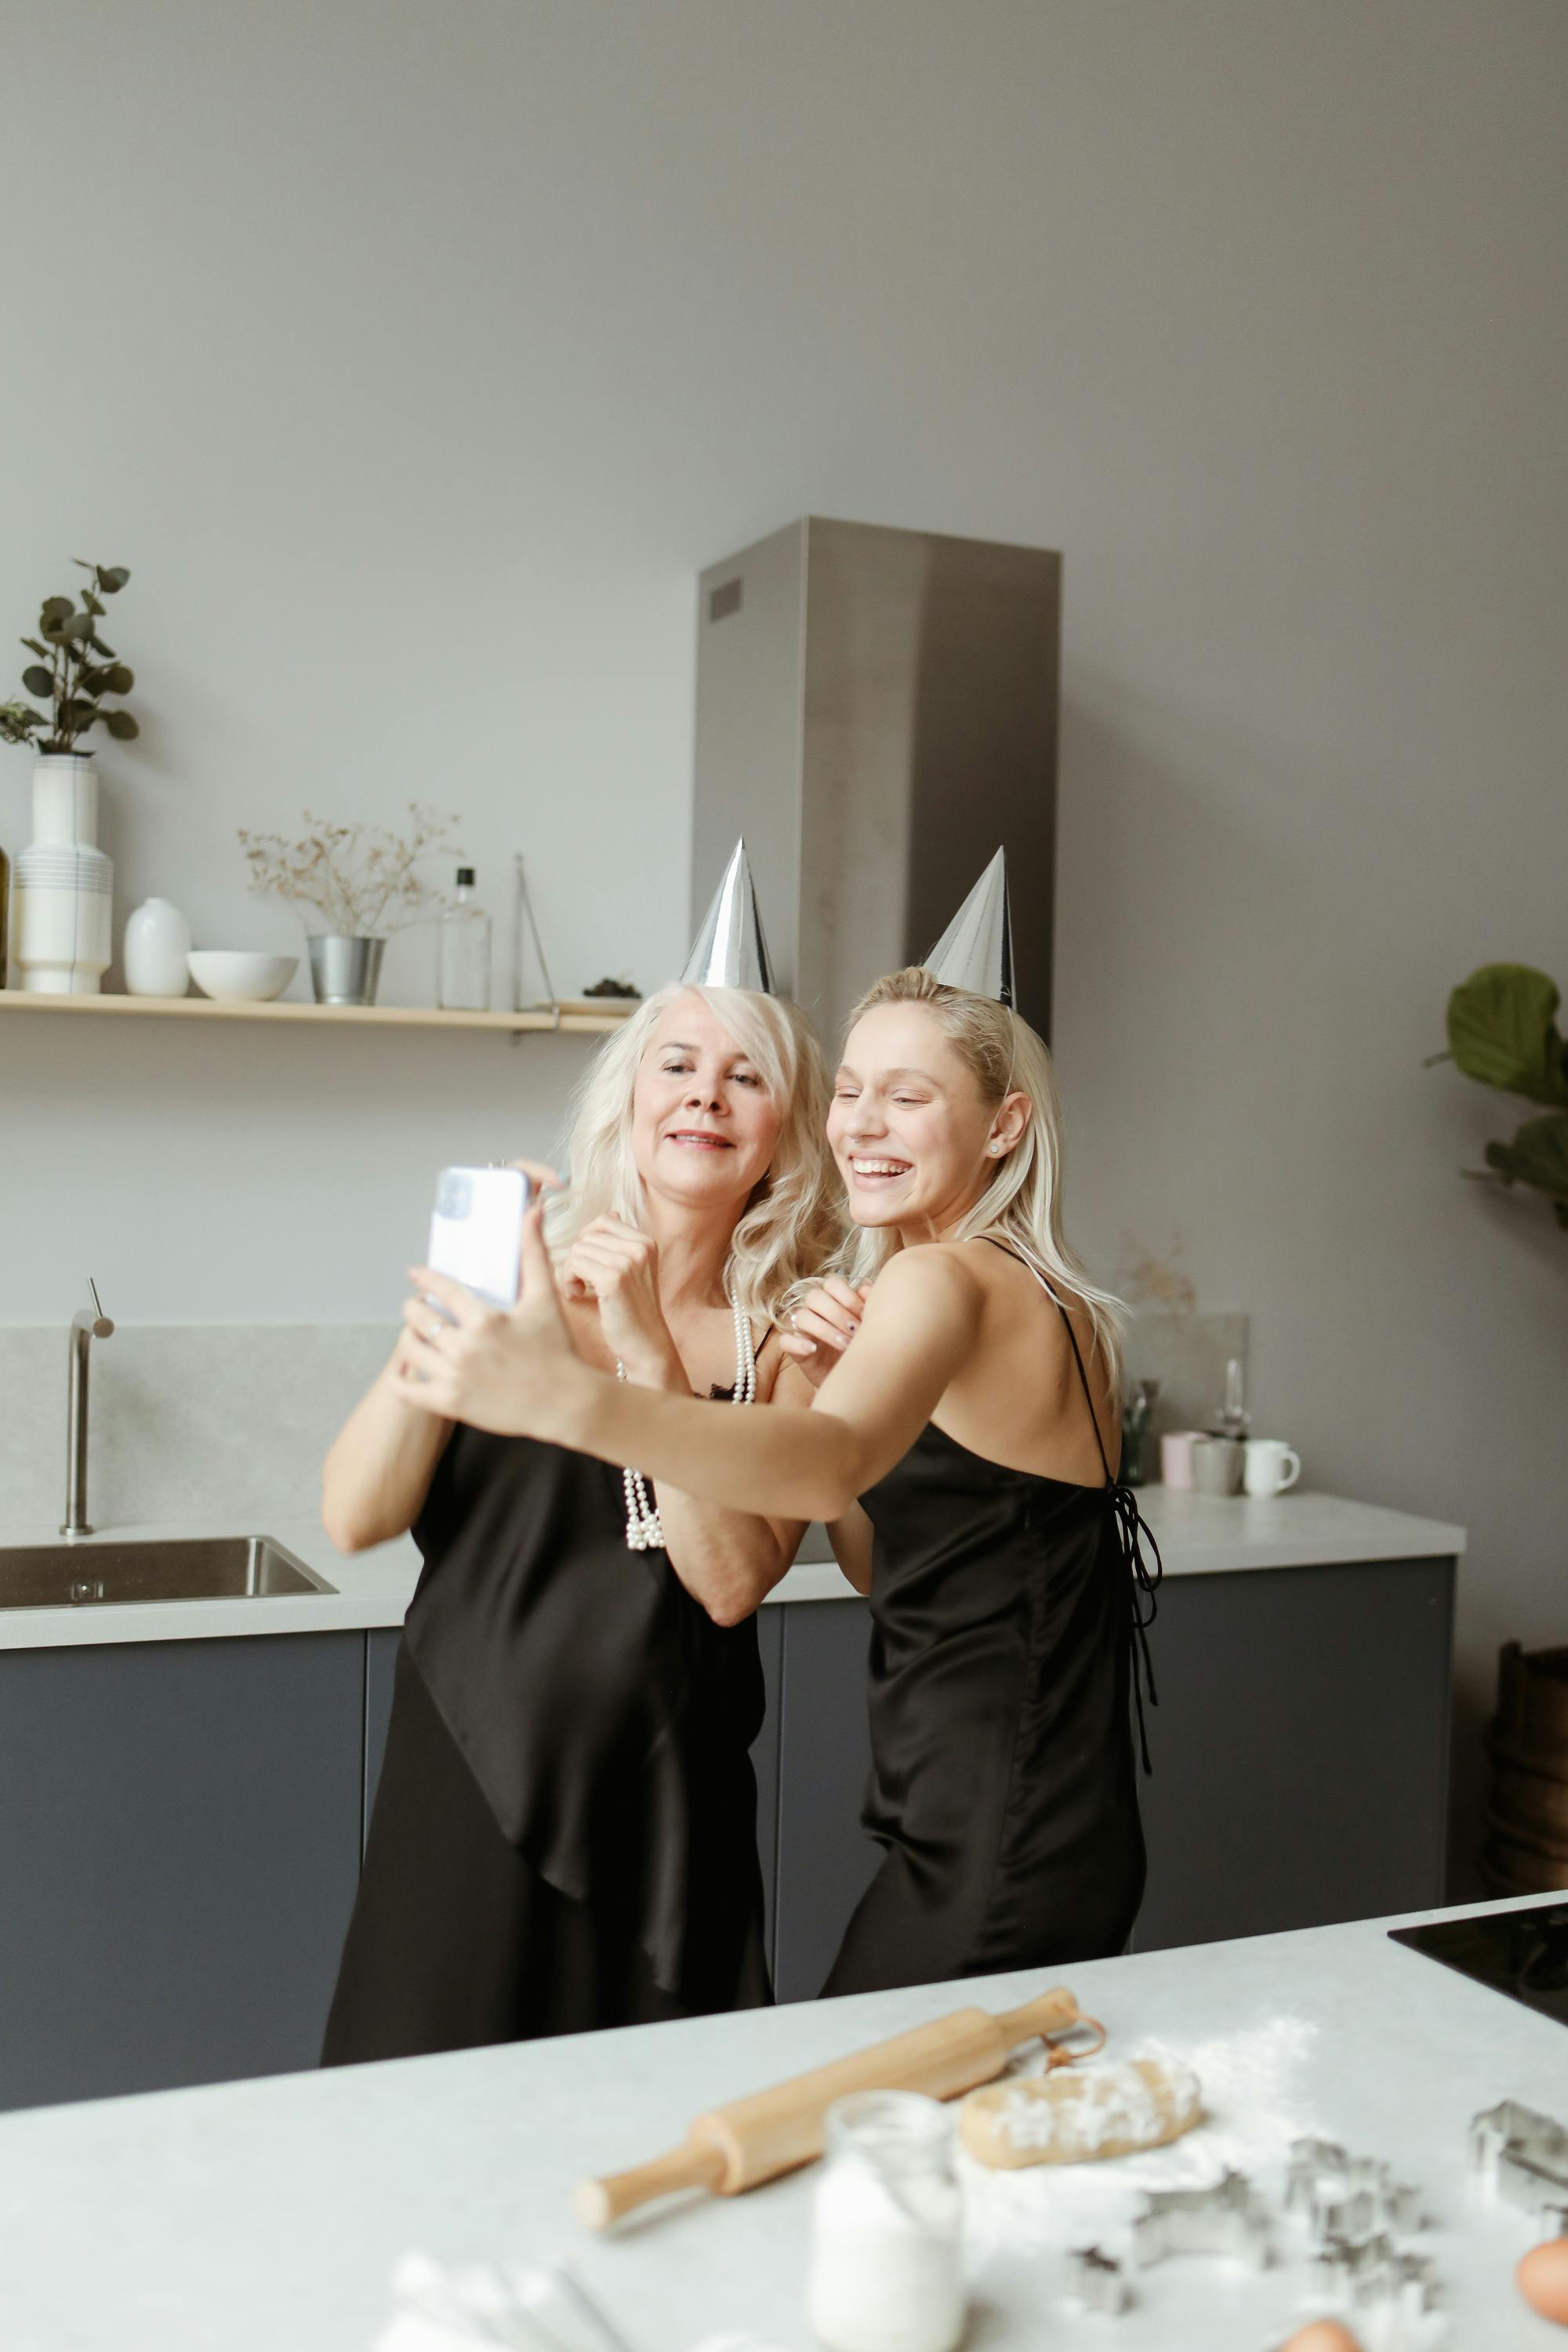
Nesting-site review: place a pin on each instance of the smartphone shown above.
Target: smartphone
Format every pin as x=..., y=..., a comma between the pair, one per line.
x=476, y=1230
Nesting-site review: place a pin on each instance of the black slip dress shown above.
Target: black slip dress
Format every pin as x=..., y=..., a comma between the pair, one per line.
x=1008, y=1616
x=565, y=1830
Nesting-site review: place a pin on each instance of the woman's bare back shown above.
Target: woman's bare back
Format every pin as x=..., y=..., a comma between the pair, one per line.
x=1019, y=1399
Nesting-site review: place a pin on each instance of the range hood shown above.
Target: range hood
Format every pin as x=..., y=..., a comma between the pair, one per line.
x=875, y=713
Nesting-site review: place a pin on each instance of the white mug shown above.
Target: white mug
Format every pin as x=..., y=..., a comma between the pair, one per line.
x=1271, y=1466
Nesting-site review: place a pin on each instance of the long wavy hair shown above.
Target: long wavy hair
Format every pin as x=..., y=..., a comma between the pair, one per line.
x=1022, y=1204
x=788, y=1228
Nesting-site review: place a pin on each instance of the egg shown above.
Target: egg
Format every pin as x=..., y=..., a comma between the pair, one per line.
x=1542, y=2280
x=1323, y=2335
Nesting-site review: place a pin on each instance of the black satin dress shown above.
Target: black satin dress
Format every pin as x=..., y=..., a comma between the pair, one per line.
x=1007, y=1648
x=565, y=1830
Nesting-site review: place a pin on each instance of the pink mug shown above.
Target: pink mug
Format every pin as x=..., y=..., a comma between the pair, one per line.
x=1176, y=1456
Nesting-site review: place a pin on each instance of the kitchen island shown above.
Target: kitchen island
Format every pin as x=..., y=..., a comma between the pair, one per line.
x=190, y=1780
x=255, y=2216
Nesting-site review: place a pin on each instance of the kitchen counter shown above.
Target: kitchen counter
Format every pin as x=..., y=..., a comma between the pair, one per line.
x=1197, y=1535
x=257, y=2215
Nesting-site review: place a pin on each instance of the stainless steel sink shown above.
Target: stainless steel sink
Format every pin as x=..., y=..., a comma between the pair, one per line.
x=154, y=1568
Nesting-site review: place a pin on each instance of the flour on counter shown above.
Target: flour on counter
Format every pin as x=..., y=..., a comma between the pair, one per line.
x=1254, y=2107
x=1107, y=2106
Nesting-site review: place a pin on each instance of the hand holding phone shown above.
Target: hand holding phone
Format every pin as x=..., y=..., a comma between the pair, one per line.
x=476, y=1230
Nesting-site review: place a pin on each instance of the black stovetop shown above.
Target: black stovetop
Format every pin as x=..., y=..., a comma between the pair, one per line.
x=1522, y=1953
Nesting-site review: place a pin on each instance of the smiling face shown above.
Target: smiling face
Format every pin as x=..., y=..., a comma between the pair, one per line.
x=915, y=1141
x=704, y=1125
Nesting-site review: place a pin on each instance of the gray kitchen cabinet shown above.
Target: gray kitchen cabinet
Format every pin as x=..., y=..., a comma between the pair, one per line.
x=183, y=1822
x=824, y=1860
x=1300, y=1750
x=179, y=1846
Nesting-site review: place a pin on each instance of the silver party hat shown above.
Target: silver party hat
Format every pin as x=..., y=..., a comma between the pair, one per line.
x=976, y=951
x=730, y=950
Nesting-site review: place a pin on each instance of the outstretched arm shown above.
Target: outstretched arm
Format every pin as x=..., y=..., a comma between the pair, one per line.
x=517, y=1373
x=378, y=1473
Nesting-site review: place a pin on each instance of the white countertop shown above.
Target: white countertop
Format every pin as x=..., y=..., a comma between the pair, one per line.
x=257, y=2216
x=1197, y=1533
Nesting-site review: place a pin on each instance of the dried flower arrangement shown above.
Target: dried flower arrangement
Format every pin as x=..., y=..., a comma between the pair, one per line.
x=1160, y=1283
x=360, y=880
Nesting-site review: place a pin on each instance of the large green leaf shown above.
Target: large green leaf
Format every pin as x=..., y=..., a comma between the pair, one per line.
x=1502, y=1030
x=121, y=678
x=112, y=578
x=122, y=726
x=1538, y=1155
x=36, y=680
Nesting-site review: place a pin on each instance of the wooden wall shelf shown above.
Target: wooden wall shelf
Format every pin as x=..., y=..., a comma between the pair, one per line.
x=576, y=1020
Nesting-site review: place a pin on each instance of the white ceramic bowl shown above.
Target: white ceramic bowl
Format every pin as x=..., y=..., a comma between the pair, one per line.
x=240, y=977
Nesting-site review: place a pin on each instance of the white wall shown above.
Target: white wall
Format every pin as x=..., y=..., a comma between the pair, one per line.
x=415, y=358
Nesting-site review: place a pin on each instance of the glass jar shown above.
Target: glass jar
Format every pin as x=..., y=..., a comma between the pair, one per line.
x=887, y=2261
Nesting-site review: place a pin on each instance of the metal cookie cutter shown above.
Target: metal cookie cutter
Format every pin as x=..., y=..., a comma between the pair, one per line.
x=1099, y=2283
x=1375, y=2273
x=1348, y=2197
x=1230, y=2218
x=1524, y=2156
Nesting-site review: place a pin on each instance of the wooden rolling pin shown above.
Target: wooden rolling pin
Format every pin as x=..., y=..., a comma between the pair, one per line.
x=756, y=2138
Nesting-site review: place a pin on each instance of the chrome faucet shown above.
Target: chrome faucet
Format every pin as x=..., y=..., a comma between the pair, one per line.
x=85, y=1328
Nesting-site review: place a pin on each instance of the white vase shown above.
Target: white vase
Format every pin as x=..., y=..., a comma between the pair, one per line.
x=157, y=941
x=65, y=884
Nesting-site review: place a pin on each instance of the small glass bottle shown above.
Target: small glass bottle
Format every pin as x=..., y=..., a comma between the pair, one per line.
x=1232, y=1418
x=886, y=2258
x=464, y=983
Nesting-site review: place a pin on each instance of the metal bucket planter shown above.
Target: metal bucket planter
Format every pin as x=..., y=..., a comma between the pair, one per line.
x=344, y=971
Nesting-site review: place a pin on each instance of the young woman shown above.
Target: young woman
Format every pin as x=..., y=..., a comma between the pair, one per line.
x=564, y=1831
x=961, y=1443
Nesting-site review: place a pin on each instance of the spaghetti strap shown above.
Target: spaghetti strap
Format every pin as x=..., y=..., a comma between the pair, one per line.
x=1133, y=1529
x=1009, y=1251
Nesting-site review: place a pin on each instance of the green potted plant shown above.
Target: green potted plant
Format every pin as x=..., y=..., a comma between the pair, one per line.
x=64, y=882
x=1502, y=1031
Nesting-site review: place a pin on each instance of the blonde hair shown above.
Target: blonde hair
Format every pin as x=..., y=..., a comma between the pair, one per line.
x=789, y=1227
x=1022, y=1204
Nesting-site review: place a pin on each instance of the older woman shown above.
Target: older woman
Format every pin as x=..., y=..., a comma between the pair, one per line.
x=565, y=1833
x=962, y=1443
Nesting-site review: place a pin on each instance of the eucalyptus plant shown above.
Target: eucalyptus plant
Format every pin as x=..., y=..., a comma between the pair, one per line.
x=74, y=670
x=1502, y=1030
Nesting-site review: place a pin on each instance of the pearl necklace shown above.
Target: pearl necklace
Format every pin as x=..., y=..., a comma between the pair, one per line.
x=645, y=1528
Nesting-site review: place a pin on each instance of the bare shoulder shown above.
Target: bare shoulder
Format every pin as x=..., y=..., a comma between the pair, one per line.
x=939, y=1278
x=1007, y=1280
